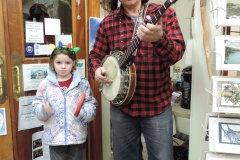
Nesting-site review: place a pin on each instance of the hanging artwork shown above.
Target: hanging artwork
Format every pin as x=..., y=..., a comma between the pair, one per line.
x=224, y=135
x=226, y=94
x=93, y=26
x=228, y=13
x=227, y=50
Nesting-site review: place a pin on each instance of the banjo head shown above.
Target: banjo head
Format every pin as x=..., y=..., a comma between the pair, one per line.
x=111, y=91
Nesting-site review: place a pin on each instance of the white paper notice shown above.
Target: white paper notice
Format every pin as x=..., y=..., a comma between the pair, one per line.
x=33, y=75
x=65, y=39
x=34, y=32
x=26, y=118
x=52, y=26
x=40, y=151
x=42, y=49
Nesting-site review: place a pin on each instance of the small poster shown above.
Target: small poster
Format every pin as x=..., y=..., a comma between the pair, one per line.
x=26, y=118
x=81, y=66
x=33, y=75
x=65, y=39
x=40, y=151
x=34, y=32
x=42, y=50
x=3, y=128
x=93, y=25
x=29, y=50
x=52, y=26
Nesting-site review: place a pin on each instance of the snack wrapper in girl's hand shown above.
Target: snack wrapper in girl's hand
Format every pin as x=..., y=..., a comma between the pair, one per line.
x=40, y=89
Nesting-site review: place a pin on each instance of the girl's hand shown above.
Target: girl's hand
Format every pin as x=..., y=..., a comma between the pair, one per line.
x=47, y=108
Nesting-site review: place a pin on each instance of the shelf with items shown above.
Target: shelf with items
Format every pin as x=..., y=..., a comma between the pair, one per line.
x=178, y=111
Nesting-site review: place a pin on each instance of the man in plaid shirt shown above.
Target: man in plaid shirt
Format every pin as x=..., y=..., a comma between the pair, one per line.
x=149, y=112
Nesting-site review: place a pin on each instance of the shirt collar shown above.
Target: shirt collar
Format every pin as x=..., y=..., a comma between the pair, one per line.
x=119, y=11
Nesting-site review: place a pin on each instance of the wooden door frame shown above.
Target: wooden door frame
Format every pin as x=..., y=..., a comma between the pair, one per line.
x=14, y=41
x=6, y=140
x=93, y=10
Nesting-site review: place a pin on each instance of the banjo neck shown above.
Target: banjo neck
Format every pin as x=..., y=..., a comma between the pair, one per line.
x=123, y=61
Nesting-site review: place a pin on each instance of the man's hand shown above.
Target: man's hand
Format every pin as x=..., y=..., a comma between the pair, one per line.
x=150, y=32
x=100, y=76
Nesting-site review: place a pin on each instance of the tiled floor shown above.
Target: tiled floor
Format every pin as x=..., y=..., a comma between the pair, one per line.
x=145, y=157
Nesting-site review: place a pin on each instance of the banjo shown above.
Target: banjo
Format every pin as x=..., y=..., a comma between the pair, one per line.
x=119, y=68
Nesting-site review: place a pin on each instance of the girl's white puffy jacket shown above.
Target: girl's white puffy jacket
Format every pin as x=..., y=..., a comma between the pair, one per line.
x=61, y=127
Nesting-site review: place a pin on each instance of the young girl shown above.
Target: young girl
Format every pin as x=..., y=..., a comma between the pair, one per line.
x=56, y=103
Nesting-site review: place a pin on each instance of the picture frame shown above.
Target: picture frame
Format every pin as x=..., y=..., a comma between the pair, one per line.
x=227, y=50
x=214, y=114
x=223, y=135
x=225, y=94
x=206, y=125
x=204, y=153
x=227, y=13
x=207, y=155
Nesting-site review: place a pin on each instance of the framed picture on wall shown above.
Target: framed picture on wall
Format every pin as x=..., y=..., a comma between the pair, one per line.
x=228, y=13
x=224, y=135
x=227, y=49
x=226, y=94
x=93, y=25
x=206, y=124
x=215, y=115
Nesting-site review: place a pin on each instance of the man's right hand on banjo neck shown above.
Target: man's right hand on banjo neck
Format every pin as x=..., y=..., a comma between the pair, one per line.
x=100, y=76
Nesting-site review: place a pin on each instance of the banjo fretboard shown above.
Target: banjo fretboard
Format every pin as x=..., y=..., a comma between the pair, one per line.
x=123, y=61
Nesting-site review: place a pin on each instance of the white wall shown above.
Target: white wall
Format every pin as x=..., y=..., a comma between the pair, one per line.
x=106, y=137
x=183, y=10
x=200, y=81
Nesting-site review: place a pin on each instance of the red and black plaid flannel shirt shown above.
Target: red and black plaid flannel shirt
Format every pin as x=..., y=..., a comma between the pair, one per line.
x=153, y=60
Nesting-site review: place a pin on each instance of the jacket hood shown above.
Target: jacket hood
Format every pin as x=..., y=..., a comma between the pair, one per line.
x=76, y=77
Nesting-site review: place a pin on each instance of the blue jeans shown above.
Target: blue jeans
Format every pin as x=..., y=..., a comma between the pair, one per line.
x=126, y=135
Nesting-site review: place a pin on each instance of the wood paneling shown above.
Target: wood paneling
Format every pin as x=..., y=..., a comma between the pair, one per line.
x=10, y=114
x=18, y=144
x=6, y=140
x=93, y=10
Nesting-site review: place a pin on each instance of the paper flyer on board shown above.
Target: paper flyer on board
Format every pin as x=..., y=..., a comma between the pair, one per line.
x=40, y=151
x=81, y=66
x=26, y=118
x=34, y=32
x=33, y=75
